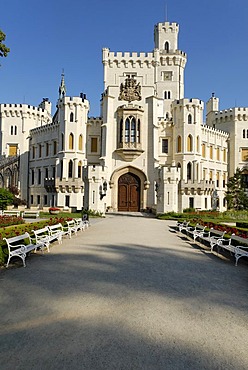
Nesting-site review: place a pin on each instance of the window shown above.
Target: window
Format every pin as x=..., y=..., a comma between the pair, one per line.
x=244, y=155
x=243, y=134
x=70, y=169
x=40, y=150
x=67, y=200
x=15, y=130
x=12, y=130
x=62, y=142
x=32, y=177
x=224, y=155
x=166, y=46
x=204, y=174
x=218, y=154
x=133, y=131
x=38, y=199
x=191, y=202
x=127, y=129
x=179, y=144
x=206, y=203
x=121, y=130
x=39, y=176
x=45, y=199
x=53, y=171
x=224, y=180
x=71, y=141
x=189, y=119
x=211, y=152
x=46, y=173
x=80, y=142
x=167, y=95
x=217, y=179
x=189, y=143
x=138, y=131
x=71, y=117
x=33, y=152
x=55, y=147
x=94, y=145
x=189, y=171
x=31, y=199
x=165, y=146
x=198, y=144
x=210, y=175
x=47, y=149
x=204, y=150
x=12, y=150
x=79, y=169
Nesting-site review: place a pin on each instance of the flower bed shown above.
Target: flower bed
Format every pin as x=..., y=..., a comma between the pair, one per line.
x=10, y=220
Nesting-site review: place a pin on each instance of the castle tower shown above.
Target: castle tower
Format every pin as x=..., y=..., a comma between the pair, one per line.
x=166, y=36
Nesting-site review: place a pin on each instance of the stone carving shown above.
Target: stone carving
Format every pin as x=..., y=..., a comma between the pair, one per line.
x=130, y=90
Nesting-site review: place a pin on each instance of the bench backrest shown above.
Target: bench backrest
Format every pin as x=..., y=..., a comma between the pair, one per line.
x=44, y=230
x=12, y=242
x=55, y=227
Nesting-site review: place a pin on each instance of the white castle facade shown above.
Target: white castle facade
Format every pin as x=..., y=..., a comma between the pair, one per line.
x=149, y=149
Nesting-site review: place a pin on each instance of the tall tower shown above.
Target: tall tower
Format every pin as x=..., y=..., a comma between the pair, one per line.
x=169, y=64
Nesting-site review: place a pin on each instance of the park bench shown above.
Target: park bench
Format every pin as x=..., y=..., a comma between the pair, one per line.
x=237, y=251
x=20, y=246
x=197, y=232
x=71, y=227
x=57, y=232
x=42, y=237
x=86, y=221
x=182, y=225
x=34, y=213
x=80, y=224
x=12, y=212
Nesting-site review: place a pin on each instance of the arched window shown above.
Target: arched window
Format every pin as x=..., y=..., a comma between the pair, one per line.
x=71, y=141
x=211, y=152
x=138, y=131
x=179, y=165
x=133, y=130
x=243, y=134
x=167, y=95
x=189, y=143
x=70, y=168
x=189, y=171
x=127, y=130
x=179, y=144
x=204, y=150
x=71, y=117
x=198, y=144
x=80, y=142
x=166, y=46
x=218, y=154
x=79, y=169
x=189, y=119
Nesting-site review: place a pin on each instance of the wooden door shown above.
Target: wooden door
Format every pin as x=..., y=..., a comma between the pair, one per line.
x=129, y=193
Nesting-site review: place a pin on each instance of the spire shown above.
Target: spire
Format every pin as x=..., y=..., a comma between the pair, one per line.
x=62, y=88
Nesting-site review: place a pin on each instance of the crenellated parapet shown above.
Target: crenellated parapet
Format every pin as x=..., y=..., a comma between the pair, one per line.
x=227, y=115
x=181, y=103
x=51, y=127
x=24, y=111
x=71, y=102
x=211, y=130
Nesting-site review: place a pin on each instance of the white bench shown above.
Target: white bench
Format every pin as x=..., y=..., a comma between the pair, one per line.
x=42, y=237
x=19, y=246
x=197, y=232
x=80, y=224
x=71, y=227
x=86, y=221
x=182, y=225
x=12, y=212
x=34, y=213
x=57, y=232
x=237, y=250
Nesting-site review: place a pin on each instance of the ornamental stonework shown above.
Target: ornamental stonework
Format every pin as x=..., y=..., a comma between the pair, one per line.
x=130, y=90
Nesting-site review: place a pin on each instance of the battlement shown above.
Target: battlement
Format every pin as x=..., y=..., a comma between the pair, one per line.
x=240, y=114
x=185, y=102
x=44, y=128
x=110, y=55
x=24, y=110
x=75, y=100
x=167, y=27
x=207, y=129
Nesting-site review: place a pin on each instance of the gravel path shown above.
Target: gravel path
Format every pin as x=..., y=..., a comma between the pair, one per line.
x=129, y=293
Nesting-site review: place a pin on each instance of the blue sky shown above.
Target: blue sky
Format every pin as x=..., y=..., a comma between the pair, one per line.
x=50, y=35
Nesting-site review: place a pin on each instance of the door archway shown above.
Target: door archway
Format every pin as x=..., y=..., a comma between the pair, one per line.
x=129, y=193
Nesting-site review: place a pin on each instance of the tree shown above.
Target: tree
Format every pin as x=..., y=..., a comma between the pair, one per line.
x=236, y=195
x=4, y=50
x=6, y=198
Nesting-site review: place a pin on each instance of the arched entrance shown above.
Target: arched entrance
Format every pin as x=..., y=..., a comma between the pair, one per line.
x=129, y=193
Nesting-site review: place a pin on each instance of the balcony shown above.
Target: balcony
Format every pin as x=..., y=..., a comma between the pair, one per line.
x=193, y=187
x=49, y=184
x=129, y=151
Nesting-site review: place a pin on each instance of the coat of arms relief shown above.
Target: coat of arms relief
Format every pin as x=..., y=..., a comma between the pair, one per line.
x=130, y=90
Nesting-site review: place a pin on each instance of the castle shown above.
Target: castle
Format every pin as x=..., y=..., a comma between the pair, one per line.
x=149, y=149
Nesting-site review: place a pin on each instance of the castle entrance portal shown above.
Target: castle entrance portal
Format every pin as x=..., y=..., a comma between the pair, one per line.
x=129, y=193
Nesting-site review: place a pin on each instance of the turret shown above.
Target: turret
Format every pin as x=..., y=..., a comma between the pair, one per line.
x=166, y=36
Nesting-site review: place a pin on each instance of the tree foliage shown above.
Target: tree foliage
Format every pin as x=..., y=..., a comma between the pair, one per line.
x=4, y=50
x=236, y=196
x=6, y=198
